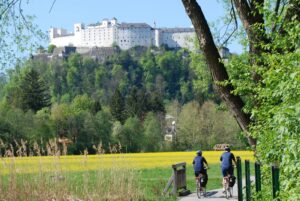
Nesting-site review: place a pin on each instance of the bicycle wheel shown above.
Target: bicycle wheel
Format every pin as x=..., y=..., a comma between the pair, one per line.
x=230, y=190
x=198, y=186
x=226, y=193
x=204, y=191
x=227, y=190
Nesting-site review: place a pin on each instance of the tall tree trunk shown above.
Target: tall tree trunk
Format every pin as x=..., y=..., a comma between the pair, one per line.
x=251, y=17
x=217, y=68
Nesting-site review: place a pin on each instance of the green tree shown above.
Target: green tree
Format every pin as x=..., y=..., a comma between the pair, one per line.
x=12, y=90
x=169, y=65
x=117, y=106
x=51, y=48
x=74, y=73
x=104, y=128
x=132, y=135
x=201, y=127
x=153, y=133
x=87, y=73
x=189, y=128
x=60, y=115
x=117, y=129
x=150, y=69
x=156, y=104
x=257, y=18
x=43, y=126
x=82, y=103
x=34, y=93
x=3, y=82
x=137, y=103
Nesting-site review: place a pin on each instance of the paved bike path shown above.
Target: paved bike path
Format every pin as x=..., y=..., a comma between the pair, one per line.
x=212, y=195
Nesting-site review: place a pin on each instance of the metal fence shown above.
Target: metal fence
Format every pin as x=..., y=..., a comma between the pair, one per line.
x=257, y=166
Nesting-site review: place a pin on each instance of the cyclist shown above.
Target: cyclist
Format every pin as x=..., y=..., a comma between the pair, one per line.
x=226, y=163
x=198, y=164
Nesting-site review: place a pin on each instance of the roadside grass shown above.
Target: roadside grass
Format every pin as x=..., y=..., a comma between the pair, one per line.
x=148, y=184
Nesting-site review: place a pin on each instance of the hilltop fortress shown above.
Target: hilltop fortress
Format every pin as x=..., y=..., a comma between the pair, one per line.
x=126, y=35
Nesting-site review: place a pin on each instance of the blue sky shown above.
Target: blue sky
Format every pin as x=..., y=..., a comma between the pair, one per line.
x=165, y=13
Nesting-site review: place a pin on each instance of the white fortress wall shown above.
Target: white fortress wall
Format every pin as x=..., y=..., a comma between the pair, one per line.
x=157, y=38
x=134, y=34
x=125, y=35
x=185, y=39
x=177, y=37
x=63, y=41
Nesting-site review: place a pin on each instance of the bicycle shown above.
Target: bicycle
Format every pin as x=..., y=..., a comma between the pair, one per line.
x=228, y=189
x=201, y=190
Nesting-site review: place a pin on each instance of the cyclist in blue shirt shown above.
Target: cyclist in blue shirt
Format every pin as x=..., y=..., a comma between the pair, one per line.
x=198, y=164
x=226, y=163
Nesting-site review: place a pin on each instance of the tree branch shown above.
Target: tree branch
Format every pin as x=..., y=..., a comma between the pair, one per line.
x=22, y=16
x=217, y=68
x=292, y=11
x=233, y=16
x=277, y=7
x=251, y=16
x=9, y=5
x=52, y=6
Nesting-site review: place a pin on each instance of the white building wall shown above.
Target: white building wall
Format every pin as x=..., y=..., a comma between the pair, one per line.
x=101, y=35
x=177, y=39
x=135, y=36
x=78, y=34
x=157, y=38
x=63, y=41
x=125, y=35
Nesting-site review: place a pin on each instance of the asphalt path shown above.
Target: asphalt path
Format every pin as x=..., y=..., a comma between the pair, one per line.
x=212, y=195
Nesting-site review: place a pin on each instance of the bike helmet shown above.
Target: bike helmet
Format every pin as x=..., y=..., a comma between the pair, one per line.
x=227, y=148
x=199, y=152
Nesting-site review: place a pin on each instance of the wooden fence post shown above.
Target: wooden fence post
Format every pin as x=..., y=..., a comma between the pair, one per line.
x=178, y=179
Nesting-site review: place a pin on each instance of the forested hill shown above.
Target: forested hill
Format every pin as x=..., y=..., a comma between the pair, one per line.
x=164, y=72
x=120, y=100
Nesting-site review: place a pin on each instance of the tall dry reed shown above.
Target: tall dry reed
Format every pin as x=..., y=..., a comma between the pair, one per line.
x=62, y=185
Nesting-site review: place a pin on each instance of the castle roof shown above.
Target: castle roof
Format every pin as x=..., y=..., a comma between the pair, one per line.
x=134, y=25
x=177, y=29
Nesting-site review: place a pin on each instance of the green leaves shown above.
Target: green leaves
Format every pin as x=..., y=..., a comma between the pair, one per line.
x=34, y=92
x=19, y=36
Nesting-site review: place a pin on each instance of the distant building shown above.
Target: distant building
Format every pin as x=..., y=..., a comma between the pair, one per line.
x=170, y=129
x=126, y=35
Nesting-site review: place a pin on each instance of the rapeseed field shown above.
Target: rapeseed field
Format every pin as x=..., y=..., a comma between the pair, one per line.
x=107, y=161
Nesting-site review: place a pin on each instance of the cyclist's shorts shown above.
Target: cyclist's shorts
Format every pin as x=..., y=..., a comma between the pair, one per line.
x=198, y=172
x=227, y=170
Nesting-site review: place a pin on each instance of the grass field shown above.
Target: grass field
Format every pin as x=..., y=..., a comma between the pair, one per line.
x=140, y=176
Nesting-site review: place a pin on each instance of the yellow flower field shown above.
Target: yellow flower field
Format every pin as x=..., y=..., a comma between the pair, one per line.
x=107, y=161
